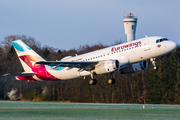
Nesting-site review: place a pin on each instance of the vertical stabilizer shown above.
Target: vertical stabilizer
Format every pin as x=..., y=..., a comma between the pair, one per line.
x=26, y=55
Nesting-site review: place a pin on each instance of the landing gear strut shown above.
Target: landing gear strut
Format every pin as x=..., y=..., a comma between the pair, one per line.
x=111, y=80
x=154, y=63
x=92, y=81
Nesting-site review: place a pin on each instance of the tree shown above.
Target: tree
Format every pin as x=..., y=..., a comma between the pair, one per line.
x=46, y=53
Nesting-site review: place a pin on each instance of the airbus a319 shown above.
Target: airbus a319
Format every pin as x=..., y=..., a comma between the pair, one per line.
x=128, y=58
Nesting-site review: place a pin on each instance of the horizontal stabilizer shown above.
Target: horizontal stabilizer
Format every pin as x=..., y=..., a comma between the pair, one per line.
x=19, y=74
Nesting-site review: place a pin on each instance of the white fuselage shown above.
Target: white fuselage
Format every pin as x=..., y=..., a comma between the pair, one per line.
x=126, y=53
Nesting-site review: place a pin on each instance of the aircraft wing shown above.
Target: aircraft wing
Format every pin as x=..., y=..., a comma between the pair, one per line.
x=85, y=65
x=19, y=74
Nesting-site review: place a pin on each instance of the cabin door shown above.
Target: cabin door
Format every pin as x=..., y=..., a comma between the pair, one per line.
x=146, y=44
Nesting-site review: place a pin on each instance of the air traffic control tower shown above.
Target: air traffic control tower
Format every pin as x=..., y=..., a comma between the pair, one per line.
x=130, y=22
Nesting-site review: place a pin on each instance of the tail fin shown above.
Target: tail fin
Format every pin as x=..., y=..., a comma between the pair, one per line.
x=26, y=55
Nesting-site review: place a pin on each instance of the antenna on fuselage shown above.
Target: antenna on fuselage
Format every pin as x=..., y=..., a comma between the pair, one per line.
x=130, y=22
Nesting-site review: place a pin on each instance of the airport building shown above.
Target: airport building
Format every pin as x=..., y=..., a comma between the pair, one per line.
x=130, y=23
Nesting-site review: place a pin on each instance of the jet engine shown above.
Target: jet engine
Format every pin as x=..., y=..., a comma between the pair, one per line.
x=106, y=67
x=133, y=68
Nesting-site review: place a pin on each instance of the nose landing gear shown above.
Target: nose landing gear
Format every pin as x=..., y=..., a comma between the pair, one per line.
x=154, y=63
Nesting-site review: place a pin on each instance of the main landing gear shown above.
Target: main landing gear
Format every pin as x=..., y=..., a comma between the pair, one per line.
x=93, y=81
x=154, y=63
x=111, y=79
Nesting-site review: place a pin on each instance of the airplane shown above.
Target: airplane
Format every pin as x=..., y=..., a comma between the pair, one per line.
x=128, y=58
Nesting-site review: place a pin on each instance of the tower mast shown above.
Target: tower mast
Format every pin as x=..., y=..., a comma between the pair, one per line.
x=130, y=22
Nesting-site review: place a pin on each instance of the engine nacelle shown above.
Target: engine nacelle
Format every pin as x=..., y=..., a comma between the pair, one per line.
x=106, y=67
x=136, y=67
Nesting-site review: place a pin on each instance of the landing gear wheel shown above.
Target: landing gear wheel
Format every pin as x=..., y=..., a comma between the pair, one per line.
x=111, y=81
x=154, y=63
x=156, y=68
x=92, y=81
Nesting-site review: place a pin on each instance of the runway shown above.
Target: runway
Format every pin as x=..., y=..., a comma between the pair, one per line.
x=86, y=111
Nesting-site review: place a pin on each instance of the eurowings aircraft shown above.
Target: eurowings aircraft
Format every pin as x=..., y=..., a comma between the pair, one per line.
x=128, y=58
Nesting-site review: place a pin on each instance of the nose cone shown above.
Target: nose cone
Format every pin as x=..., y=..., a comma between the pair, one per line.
x=173, y=45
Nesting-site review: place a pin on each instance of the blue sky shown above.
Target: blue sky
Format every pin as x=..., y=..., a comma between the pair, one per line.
x=67, y=24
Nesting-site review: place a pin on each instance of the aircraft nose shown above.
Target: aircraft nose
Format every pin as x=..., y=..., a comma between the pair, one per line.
x=173, y=45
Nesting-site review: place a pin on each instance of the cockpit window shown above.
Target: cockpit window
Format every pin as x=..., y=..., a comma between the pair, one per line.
x=157, y=41
x=161, y=40
x=165, y=39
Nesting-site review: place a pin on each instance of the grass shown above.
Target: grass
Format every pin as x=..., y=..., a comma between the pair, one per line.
x=85, y=111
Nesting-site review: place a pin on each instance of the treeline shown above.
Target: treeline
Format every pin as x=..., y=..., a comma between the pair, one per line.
x=149, y=86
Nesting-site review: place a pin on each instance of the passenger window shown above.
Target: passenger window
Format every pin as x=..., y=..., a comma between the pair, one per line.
x=157, y=41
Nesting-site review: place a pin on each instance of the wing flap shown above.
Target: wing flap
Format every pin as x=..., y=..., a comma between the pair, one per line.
x=70, y=64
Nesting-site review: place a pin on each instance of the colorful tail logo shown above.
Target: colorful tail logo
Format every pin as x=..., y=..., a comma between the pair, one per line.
x=28, y=59
x=26, y=55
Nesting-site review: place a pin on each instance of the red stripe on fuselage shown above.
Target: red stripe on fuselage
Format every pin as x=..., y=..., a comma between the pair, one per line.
x=43, y=74
x=40, y=70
